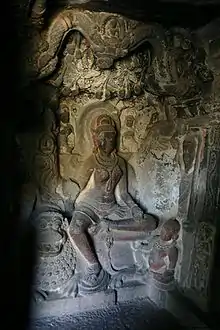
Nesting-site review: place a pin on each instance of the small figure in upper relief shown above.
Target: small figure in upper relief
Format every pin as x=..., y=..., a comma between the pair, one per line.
x=104, y=197
x=129, y=144
x=37, y=8
x=164, y=255
x=67, y=132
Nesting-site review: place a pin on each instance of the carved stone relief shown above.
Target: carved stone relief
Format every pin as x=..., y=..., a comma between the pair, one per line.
x=198, y=282
x=203, y=214
x=212, y=189
x=164, y=255
x=41, y=151
x=203, y=258
x=104, y=199
x=126, y=147
x=67, y=133
x=55, y=269
x=208, y=37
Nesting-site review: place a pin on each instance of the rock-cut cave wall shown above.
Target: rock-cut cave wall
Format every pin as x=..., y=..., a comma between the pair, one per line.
x=124, y=150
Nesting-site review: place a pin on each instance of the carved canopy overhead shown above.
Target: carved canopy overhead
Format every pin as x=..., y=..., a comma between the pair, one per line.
x=110, y=36
x=163, y=62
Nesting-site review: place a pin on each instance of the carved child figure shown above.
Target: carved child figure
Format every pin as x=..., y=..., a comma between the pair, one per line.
x=163, y=257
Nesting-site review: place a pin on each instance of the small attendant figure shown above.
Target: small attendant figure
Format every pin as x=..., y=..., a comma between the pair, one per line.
x=163, y=257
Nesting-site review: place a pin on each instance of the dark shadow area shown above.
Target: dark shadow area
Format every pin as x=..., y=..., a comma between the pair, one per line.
x=17, y=251
x=186, y=15
x=215, y=287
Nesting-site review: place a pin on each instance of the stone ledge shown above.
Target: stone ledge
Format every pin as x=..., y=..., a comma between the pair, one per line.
x=104, y=300
x=132, y=293
x=92, y=302
x=59, y=307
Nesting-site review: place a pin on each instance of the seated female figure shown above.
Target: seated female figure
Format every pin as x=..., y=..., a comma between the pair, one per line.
x=104, y=196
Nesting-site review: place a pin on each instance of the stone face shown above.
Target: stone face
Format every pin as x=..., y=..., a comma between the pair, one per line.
x=126, y=142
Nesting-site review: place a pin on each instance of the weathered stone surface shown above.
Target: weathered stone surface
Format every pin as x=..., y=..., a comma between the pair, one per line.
x=135, y=315
x=132, y=310
x=127, y=136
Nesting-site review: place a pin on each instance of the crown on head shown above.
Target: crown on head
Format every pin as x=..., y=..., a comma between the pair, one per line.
x=103, y=123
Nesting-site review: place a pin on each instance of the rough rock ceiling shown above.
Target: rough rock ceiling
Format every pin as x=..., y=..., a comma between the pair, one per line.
x=194, y=2
x=185, y=13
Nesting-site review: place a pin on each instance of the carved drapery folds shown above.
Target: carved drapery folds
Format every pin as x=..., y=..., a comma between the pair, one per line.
x=150, y=93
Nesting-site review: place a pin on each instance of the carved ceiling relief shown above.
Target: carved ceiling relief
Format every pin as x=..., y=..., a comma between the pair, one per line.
x=125, y=149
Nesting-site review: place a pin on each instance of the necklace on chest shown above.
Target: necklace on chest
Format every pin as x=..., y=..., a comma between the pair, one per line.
x=158, y=245
x=107, y=162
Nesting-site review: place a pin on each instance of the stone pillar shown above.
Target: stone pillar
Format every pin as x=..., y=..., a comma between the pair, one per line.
x=199, y=244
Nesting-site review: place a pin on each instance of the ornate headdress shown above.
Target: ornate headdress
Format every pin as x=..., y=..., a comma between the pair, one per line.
x=103, y=123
